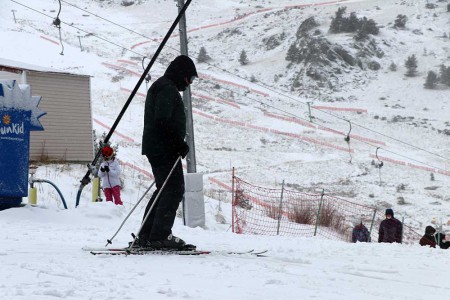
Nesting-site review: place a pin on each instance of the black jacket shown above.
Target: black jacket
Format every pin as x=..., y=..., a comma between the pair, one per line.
x=164, y=116
x=390, y=231
x=439, y=239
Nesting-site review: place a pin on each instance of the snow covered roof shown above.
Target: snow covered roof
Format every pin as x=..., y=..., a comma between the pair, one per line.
x=21, y=66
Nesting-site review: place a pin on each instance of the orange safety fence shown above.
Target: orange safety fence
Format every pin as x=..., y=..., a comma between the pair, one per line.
x=267, y=211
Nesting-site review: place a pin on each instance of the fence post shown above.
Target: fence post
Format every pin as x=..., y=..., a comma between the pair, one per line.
x=309, y=111
x=318, y=212
x=371, y=224
x=403, y=226
x=280, y=208
x=232, y=201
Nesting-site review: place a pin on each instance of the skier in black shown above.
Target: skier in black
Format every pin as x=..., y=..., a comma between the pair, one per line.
x=162, y=143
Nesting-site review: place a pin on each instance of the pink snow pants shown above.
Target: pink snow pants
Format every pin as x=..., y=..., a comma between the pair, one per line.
x=113, y=192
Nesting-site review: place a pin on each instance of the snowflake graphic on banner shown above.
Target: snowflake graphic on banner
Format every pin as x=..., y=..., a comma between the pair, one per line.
x=18, y=96
x=6, y=119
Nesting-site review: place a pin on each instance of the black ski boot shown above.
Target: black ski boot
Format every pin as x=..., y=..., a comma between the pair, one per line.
x=140, y=243
x=171, y=243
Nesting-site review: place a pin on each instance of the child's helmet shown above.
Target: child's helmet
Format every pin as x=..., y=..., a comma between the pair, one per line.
x=107, y=152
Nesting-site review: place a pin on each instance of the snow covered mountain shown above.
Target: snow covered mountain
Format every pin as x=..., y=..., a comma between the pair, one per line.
x=344, y=80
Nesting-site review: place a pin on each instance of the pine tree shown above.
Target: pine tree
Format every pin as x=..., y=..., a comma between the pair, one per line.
x=292, y=54
x=431, y=81
x=445, y=75
x=203, y=56
x=411, y=66
x=353, y=23
x=400, y=22
x=243, y=58
x=361, y=35
x=337, y=21
x=369, y=26
x=393, y=67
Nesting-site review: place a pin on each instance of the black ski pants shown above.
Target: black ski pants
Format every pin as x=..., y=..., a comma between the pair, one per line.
x=159, y=224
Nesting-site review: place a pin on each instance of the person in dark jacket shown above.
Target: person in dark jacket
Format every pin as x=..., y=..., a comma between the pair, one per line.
x=391, y=229
x=441, y=241
x=163, y=142
x=428, y=238
x=360, y=233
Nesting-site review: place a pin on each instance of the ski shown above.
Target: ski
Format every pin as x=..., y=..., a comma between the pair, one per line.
x=138, y=251
x=150, y=252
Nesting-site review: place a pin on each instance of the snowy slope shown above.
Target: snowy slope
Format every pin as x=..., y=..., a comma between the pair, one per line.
x=40, y=247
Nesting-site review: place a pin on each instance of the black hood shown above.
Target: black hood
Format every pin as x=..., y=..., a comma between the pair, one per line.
x=429, y=230
x=180, y=68
x=389, y=211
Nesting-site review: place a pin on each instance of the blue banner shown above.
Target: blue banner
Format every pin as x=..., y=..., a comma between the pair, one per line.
x=14, y=152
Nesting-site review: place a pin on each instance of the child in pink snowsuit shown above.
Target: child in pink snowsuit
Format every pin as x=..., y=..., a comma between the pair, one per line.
x=109, y=173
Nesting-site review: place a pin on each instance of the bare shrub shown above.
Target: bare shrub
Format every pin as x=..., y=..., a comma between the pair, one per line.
x=301, y=215
x=273, y=211
x=241, y=200
x=331, y=217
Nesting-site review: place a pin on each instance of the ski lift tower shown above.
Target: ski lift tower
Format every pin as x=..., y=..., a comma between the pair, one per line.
x=187, y=99
x=193, y=202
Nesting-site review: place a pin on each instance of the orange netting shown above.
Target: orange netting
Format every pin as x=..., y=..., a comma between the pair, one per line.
x=258, y=210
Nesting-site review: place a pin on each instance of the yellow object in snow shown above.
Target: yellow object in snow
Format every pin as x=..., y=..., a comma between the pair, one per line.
x=95, y=189
x=32, y=196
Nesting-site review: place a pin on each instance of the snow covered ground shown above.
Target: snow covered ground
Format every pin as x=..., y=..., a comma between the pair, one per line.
x=40, y=247
x=41, y=258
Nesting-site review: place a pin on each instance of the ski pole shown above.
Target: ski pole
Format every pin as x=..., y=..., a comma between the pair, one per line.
x=86, y=179
x=154, y=202
x=129, y=214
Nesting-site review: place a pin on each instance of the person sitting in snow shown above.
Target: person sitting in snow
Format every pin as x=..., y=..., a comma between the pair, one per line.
x=109, y=173
x=428, y=238
x=441, y=241
x=391, y=229
x=360, y=232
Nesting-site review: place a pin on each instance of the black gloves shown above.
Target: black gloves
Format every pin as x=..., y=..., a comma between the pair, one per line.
x=182, y=149
x=104, y=169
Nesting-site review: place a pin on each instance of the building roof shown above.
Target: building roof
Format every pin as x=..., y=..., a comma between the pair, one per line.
x=12, y=65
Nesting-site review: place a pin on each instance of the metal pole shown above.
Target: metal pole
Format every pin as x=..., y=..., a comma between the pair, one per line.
x=233, y=208
x=81, y=47
x=109, y=241
x=280, y=209
x=86, y=179
x=318, y=212
x=154, y=201
x=14, y=15
x=309, y=111
x=190, y=158
x=403, y=225
x=371, y=225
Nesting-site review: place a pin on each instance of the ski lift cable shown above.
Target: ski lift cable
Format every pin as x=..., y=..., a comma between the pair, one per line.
x=77, y=28
x=364, y=142
x=107, y=20
x=269, y=88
